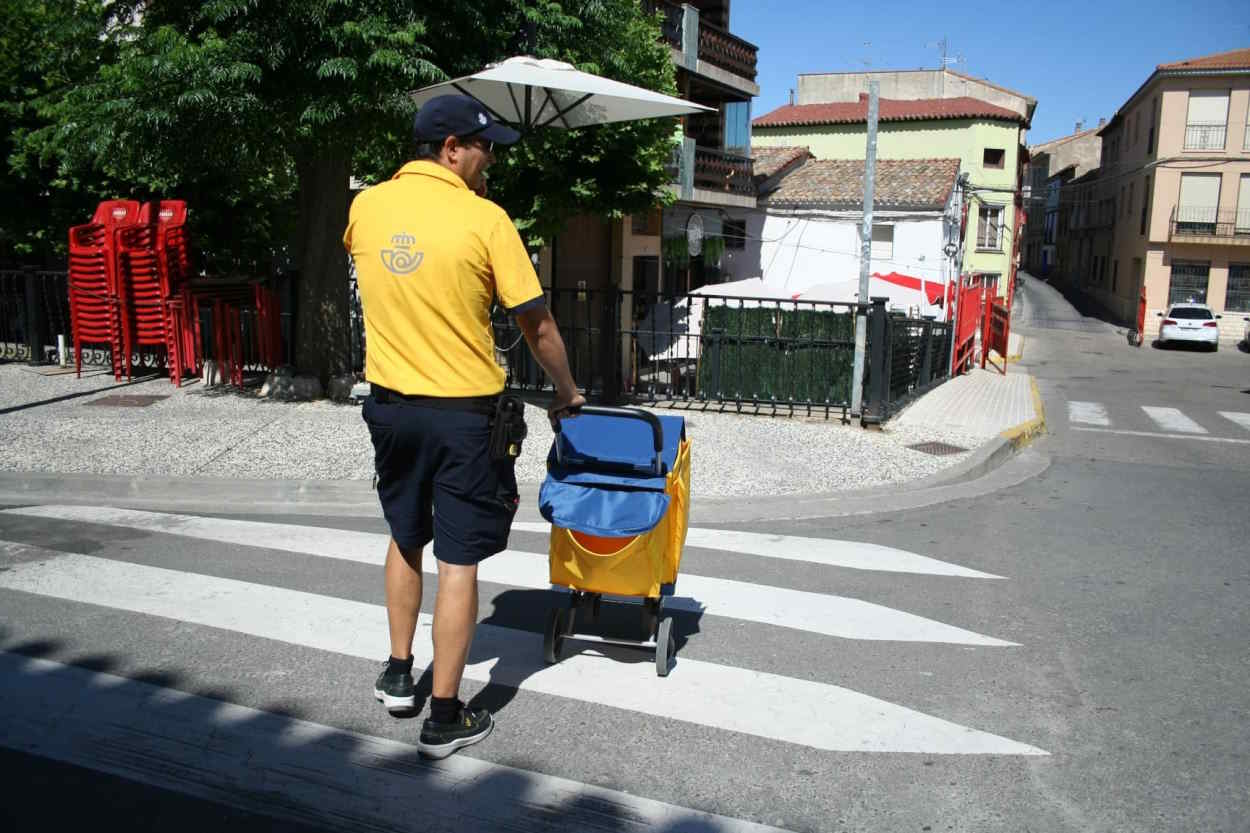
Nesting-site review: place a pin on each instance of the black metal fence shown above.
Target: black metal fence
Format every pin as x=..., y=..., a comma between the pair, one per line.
x=34, y=310
x=906, y=358
x=735, y=353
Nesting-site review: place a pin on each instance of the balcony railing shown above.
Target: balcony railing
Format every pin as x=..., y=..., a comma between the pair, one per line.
x=1205, y=135
x=1202, y=221
x=715, y=170
x=716, y=46
x=731, y=53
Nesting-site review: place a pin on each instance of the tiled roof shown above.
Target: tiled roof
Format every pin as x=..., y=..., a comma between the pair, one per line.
x=1236, y=59
x=889, y=109
x=913, y=184
x=1042, y=147
x=770, y=161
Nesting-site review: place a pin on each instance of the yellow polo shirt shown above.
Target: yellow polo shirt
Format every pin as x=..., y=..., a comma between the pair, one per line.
x=430, y=255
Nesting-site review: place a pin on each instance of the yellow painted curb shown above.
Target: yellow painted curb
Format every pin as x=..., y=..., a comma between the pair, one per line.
x=1023, y=434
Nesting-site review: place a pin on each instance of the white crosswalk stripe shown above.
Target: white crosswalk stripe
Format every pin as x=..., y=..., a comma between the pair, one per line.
x=1088, y=413
x=1172, y=419
x=853, y=555
x=801, y=712
x=1240, y=419
x=752, y=602
x=330, y=777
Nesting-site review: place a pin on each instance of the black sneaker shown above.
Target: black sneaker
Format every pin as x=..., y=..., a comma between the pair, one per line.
x=438, y=740
x=395, y=689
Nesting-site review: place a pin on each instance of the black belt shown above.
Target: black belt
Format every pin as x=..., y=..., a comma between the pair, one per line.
x=486, y=405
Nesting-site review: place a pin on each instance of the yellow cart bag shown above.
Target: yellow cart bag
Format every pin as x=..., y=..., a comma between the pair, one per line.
x=617, y=495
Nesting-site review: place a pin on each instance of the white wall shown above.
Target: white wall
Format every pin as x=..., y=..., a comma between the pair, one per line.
x=801, y=251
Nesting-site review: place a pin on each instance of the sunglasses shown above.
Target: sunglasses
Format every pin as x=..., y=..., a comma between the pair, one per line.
x=485, y=145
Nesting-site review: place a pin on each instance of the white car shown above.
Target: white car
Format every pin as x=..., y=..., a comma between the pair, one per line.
x=1190, y=322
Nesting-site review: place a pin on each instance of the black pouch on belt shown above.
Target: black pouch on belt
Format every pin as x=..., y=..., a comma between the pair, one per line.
x=507, y=429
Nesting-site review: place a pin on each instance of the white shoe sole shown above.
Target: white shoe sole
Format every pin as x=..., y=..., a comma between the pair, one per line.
x=395, y=704
x=442, y=750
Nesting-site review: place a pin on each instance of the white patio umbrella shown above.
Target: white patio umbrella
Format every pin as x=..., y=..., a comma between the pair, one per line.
x=529, y=93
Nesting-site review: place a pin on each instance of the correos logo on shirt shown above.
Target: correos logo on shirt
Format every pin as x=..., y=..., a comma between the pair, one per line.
x=401, y=260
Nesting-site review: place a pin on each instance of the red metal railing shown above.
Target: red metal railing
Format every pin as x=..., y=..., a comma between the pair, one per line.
x=996, y=328
x=968, y=305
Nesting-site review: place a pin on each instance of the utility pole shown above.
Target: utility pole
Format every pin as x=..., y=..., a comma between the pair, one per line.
x=865, y=254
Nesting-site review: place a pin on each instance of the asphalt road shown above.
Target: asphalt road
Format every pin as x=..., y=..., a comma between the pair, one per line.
x=1067, y=654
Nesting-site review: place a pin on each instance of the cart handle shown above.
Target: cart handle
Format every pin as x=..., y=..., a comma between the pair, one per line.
x=657, y=430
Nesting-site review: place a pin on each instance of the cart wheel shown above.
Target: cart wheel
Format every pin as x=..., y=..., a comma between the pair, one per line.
x=553, y=636
x=650, y=613
x=665, y=647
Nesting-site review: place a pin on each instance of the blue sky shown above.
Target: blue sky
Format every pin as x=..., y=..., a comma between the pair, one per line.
x=1079, y=60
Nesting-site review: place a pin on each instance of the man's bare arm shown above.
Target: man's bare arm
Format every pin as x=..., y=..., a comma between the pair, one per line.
x=543, y=337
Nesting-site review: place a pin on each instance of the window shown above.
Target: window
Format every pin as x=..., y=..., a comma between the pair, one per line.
x=1189, y=282
x=1198, y=205
x=1191, y=313
x=1207, y=122
x=738, y=128
x=1237, y=296
x=735, y=234
x=990, y=228
x=1128, y=209
x=1145, y=205
x=882, y=240
x=1154, y=120
x=1115, y=274
x=646, y=223
x=993, y=158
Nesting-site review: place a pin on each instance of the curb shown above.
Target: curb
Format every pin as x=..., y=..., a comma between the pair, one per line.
x=1021, y=435
x=356, y=498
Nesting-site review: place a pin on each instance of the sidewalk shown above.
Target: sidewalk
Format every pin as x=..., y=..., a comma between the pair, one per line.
x=69, y=438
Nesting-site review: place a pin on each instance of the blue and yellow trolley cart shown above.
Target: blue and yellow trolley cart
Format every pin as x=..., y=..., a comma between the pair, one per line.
x=617, y=495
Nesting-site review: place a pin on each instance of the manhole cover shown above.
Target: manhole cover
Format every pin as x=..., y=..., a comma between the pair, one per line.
x=126, y=401
x=940, y=449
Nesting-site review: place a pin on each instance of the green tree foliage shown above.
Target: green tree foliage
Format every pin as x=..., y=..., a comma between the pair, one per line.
x=257, y=111
x=45, y=48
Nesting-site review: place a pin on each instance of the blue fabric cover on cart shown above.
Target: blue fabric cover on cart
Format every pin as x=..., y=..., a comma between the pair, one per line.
x=607, y=485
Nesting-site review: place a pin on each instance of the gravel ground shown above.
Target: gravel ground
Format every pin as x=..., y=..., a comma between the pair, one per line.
x=48, y=424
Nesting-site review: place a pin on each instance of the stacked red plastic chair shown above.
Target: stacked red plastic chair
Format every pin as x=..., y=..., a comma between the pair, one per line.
x=153, y=259
x=97, y=309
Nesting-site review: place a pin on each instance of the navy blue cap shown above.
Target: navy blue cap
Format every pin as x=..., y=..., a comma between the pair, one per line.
x=458, y=115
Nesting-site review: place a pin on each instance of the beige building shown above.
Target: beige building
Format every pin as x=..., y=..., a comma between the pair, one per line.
x=1171, y=204
x=1059, y=159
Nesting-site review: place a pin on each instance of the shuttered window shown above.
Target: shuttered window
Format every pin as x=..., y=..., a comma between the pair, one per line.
x=1199, y=202
x=1207, y=123
x=990, y=228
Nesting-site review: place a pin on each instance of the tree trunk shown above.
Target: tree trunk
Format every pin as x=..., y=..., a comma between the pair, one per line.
x=323, y=329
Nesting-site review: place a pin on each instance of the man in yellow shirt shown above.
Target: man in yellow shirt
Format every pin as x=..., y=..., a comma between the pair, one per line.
x=431, y=256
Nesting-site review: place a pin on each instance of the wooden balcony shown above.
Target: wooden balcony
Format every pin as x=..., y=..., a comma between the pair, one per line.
x=715, y=170
x=717, y=47
x=729, y=52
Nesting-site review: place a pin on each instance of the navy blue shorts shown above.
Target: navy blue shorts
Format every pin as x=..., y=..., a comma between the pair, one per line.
x=436, y=480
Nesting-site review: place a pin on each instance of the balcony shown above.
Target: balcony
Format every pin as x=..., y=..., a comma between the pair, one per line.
x=716, y=47
x=710, y=175
x=1205, y=135
x=715, y=170
x=1191, y=224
